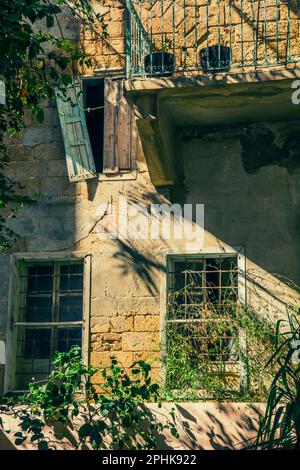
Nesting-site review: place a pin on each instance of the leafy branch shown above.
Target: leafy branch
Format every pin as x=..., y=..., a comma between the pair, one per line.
x=110, y=414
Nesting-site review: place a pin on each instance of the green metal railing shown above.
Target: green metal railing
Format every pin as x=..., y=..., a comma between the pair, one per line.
x=165, y=37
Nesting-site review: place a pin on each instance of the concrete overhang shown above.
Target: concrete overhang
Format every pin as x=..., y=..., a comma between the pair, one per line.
x=154, y=84
x=164, y=105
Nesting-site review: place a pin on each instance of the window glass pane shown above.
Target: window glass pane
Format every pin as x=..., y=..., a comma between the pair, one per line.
x=23, y=379
x=40, y=278
x=72, y=269
x=71, y=278
x=68, y=337
x=229, y=272
x=229, y=278
x=229, y=264
x=188, y=282
x=37, y=343
x=71, y=283
x=38, y=309
x=188, y=273
x=41, y=270
x=70, y=308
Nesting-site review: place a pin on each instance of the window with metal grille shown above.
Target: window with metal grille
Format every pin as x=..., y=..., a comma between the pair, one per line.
x=50, y=316
x=200, y=328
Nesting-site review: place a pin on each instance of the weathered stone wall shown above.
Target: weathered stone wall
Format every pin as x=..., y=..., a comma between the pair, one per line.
x=256, y=210
x=37, y=161
x=107, y=52
x=127, y=298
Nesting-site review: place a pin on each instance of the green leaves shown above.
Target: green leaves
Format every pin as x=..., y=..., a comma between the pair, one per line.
x=49, y=21
x=43, y=445
x=280, y=425
x=93, y=432
x=124, y=405
x=20, y=438
x=117, y=418
x=197, y=365
x=85, y=430
x=174, y=432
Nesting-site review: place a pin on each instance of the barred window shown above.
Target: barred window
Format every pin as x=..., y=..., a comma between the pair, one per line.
x=202, y=338
x=50, y=316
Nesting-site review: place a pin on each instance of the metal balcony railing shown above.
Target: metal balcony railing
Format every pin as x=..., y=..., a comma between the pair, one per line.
x=175, y=37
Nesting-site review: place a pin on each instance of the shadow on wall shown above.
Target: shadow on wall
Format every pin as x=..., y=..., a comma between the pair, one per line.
x=143, y=264
x=248, y=179
x=226, y=195
x=139, y=256
x=64, y=436
x=212, y=426
x=201, y=426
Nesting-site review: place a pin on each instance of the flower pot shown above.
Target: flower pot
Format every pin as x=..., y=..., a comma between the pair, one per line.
x=159, y=63
x=215, y=58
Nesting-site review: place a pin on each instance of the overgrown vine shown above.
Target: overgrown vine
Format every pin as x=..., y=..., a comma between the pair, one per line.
x=218, y=351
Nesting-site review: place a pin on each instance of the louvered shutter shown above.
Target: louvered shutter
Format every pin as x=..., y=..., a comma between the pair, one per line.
x=120, y=132
x=79, y=156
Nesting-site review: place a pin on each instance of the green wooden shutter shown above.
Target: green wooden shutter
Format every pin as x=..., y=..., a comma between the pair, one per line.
x=79, y=156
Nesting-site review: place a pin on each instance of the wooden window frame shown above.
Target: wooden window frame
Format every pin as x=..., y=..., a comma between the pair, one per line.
x=14, y=302
x=117, y=174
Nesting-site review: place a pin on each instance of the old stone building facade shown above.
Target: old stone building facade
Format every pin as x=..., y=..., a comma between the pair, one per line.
x=226, y=139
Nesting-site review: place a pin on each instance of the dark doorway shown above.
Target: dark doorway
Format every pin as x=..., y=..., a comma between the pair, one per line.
x=93, y=97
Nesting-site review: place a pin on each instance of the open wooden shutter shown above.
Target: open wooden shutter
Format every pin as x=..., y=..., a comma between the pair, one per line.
x=79, y=156
x=111, y=90
x=124, y=132
x=120, y=133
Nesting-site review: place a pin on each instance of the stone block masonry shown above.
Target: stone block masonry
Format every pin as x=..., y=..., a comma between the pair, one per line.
x=128, y=280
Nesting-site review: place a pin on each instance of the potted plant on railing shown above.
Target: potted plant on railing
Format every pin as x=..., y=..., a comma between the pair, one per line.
x=216, y=58
x=160, y=62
